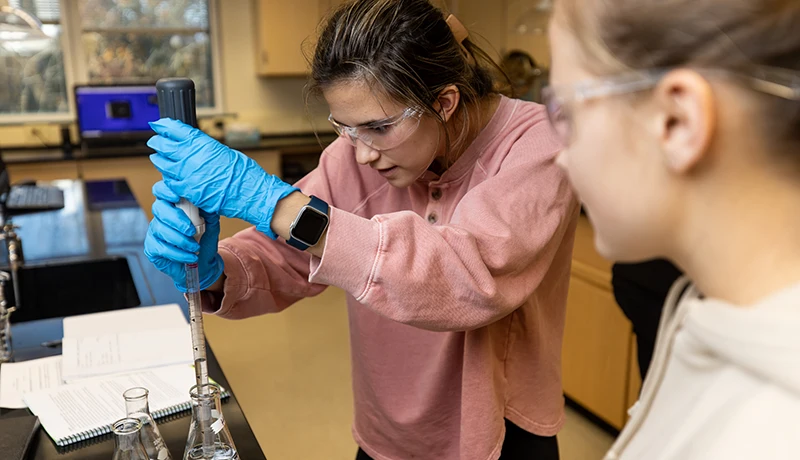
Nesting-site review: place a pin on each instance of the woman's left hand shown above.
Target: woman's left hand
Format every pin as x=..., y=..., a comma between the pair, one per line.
x=213, y=176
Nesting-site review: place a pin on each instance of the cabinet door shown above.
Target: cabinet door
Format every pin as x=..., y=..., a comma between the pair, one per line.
x=596, y=351
x=585, y=251
x=284, y=29
x=634, y=377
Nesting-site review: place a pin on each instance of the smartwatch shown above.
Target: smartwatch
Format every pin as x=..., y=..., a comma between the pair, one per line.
x=309, y=225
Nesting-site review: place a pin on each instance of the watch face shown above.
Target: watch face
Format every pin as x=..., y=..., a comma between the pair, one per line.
x=310, y=226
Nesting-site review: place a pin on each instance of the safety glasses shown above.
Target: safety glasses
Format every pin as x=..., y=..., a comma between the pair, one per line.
x=560, y=101
x=382, y=134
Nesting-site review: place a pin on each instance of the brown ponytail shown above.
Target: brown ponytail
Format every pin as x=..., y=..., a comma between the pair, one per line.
x=408, y=50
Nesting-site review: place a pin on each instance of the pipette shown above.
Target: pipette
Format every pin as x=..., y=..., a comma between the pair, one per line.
x=193, y=297
x=176, y=100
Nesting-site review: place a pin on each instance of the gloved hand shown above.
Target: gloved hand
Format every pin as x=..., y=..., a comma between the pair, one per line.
x=214, y=177
x=170, y=242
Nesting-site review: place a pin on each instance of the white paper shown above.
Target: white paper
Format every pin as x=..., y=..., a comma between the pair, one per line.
x=25, y=377
x=126, y=320
x=125, y=352
x=92, y=404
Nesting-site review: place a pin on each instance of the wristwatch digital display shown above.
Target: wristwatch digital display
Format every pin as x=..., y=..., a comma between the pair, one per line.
x=309, y=225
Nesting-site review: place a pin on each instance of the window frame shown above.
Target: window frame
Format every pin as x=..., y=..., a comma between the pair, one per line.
x=76, y=71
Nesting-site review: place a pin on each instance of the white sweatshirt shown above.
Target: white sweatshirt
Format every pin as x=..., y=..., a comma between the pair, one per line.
x=724, y=382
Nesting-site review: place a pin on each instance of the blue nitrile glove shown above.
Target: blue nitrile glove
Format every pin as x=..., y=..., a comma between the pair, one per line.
x=214, y=177
x=170, y=242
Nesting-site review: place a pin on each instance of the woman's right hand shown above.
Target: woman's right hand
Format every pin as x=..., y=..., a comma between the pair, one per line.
x=170, y=242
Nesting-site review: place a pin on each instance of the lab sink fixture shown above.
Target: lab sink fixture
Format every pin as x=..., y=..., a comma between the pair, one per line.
x=56, y=289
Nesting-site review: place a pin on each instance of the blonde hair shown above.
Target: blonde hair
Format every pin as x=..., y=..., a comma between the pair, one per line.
x=618, y=35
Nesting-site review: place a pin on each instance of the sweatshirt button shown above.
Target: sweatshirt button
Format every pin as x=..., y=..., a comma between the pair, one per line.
x=432, y=218
x=436, y=194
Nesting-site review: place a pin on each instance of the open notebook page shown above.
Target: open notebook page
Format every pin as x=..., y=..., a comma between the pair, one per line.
x=23, y=377
x=91, y=405
x=130, y=319
x=118, y=353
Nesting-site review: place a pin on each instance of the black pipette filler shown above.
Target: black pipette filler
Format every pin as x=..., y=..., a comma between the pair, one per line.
x=176, y=100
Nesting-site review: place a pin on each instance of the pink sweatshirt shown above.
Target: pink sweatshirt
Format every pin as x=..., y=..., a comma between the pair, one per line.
x=457, y=289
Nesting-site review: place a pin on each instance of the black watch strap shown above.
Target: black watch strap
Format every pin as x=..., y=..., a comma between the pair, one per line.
x=320, y=206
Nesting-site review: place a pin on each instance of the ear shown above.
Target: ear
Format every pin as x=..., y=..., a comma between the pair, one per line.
x=448, y=101
x=687, y=118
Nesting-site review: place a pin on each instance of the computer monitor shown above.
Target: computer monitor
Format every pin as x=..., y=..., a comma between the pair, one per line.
x=115, y=113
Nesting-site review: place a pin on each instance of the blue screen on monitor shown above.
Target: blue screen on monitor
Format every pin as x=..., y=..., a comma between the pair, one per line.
x=115, y=111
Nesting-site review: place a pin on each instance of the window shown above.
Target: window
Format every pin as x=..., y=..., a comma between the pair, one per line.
x=106, y=41
x=32, y=70
x=144, y=40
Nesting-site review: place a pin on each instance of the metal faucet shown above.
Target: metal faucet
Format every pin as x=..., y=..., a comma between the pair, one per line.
x=16, y=258
x=6, y=349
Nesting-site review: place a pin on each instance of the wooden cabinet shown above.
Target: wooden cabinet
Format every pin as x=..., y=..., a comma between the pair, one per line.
x=284, y=31
x=634, y=379
x=599, y=357
x=596, y=351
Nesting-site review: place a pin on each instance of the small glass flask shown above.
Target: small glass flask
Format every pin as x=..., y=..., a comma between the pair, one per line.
x=138, y=407
x=128, y=445
x=209, y=438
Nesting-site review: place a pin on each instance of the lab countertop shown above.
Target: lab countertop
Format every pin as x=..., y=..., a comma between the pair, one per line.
x=96, y=223
x=88, y=228
x=287, y=144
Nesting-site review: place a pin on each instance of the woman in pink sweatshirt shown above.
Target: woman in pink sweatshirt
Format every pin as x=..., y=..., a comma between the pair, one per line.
x=681, y=121
x=440, y=211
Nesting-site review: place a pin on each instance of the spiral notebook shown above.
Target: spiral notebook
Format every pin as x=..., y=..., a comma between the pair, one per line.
x=86, y=409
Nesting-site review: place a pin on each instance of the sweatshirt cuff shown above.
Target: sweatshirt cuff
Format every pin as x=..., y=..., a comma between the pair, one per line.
x=352, y=250
x=235, y=287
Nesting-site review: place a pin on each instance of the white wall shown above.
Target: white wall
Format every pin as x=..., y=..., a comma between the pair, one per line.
x=273, y=104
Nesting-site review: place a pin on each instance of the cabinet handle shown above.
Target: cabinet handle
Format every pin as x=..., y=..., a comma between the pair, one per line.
x=264, y=57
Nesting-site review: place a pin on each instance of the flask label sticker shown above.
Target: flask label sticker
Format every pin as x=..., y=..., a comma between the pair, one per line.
x=217, y=426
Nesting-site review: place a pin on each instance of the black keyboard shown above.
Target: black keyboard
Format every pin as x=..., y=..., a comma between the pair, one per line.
x=34, y=198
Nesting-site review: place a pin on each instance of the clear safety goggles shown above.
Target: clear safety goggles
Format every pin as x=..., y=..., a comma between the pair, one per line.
x=382, y=134
x=560, y=100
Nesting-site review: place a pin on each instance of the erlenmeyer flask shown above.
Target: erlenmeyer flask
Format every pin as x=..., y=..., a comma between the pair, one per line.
x=128, y=445
x=138, y=407
x=209, y=438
